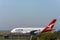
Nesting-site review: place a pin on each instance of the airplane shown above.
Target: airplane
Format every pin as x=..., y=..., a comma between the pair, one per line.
x=33, y=31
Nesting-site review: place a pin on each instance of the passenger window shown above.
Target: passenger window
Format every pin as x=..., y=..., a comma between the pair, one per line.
x=19, y=30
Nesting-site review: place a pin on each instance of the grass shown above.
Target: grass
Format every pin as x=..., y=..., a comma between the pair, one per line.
x=18, y=38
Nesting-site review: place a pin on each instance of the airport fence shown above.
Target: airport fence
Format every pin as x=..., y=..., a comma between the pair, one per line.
x=15, y=36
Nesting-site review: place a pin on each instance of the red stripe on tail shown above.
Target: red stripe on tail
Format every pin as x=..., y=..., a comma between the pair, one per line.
x=49, y=27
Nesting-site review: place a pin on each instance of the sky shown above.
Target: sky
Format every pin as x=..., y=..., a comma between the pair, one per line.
x=28, y=13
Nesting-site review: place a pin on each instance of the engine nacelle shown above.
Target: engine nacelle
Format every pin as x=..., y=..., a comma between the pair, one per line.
x=35, y=32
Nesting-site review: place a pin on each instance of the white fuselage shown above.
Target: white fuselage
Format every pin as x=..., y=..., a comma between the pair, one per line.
x=26, y=30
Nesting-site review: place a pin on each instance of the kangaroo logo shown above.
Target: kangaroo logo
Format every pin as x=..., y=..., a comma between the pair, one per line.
x=49, y=27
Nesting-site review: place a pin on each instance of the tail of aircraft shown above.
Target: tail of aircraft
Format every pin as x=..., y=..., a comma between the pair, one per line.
x=50, y=26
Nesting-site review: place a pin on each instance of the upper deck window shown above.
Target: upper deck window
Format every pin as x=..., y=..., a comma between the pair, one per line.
x=19, y=30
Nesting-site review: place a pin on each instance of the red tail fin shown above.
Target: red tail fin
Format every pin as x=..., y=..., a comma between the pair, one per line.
x=49, y=27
